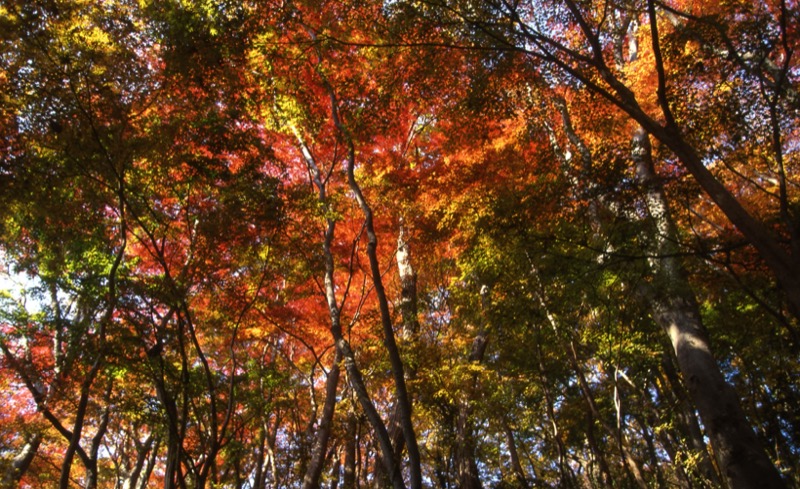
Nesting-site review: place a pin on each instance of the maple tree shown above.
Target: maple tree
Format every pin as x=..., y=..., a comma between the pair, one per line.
x=399, y=244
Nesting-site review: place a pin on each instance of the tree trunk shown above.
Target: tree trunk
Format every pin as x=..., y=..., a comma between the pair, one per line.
x=151, y=463
x=629, y=463
x=314, y=471
x=673, y=307
x=740, y=456
x=408, y=311
x=408, y=291
x=349, y=480
x=467, y=475
x=260, y=457
x=466, y=465
x=688, y=425
x=516, y=466
x=389, y=342
x=142, y=449
x=21, y=461
x=605, y=471
x=784, y=266
x=343, y=347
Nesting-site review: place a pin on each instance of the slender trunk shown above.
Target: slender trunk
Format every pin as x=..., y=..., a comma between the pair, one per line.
x=408, y=311
x=741, y=458
x=172, y=464
x=629, y=463
x=97, y=439
x=649, y=438
x=141, y=457
x=216, y=433
x=408, y=291
x=349, y=481
x=466, y=465
x=364, y=399
x=566, y=476
x=389, y=342
x=669, y=444
x=74, y=447
x=151, y=463
x=74, y=442
x=83, y=401
x=774, y=431
x=441, y=470
x=314, y=471
x=516, y=466
x=259, y=477
x=354, y=376
x=21, y=461
x=337, y=467
x=273, y=465
x=605, y=471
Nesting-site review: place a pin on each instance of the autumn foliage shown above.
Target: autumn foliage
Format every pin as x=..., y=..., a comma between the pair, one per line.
x=450, y=244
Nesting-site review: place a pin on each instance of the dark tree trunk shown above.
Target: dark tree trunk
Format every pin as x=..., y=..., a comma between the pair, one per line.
x=314, y=471
x=349, y=480
x=343, y=347
x=465, y=463
x=516, y=466
x=390, y=344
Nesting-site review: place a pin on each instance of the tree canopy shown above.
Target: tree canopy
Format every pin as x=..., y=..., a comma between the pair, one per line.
x=446, y=244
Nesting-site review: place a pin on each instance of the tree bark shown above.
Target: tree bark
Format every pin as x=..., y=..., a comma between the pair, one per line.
x=410, y=328
x=349, y=480
x=688, y=425
x=673, y=307
x=389, y=341
x=467, y=475
x=314, y=471
x=354, y=376
x=740, y=456
x=465, y=463
x=629, y=463
x=398, y=374
x=783, y=265
x=408, y=290
x=21, y=461
x=567, y=477
x=148, y=469
x=516, y=466
x=590, y=68
x=133, y=475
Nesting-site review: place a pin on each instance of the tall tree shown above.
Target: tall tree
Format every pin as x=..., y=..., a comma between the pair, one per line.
x=340, y=244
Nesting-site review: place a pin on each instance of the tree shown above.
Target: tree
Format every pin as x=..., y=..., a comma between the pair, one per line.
x=589, y=48
x=368, y=244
